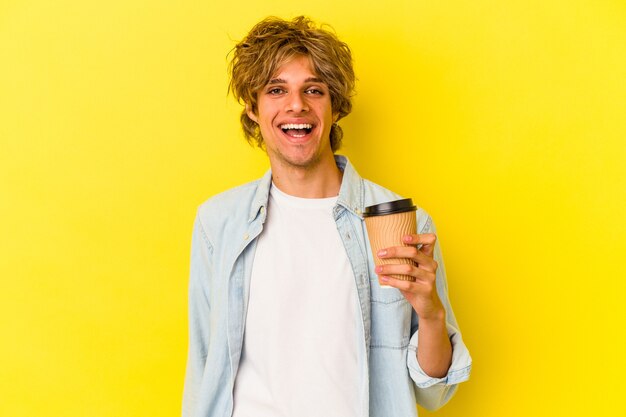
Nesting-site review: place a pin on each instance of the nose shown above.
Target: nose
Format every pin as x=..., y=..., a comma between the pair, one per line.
x=296, y=103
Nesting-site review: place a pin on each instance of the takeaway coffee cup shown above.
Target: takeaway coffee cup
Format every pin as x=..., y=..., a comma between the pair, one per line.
x=386, y=223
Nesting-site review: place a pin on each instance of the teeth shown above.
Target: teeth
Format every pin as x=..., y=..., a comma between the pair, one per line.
x=296, y=126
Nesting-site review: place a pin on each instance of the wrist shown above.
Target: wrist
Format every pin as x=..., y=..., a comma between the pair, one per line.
x=435, y=316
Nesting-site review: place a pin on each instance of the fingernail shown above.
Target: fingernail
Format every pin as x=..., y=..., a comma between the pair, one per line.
x=382, y=252
x=407, y=238
x=384, y=279
x=379, y=269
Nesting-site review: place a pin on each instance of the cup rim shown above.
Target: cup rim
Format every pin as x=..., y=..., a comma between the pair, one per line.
x=390, y=207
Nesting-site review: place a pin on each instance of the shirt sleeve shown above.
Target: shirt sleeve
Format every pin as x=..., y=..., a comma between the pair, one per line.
x=199, y=311
x=432, y=393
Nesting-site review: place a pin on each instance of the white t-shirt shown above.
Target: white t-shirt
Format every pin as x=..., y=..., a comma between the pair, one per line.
x=299, y=354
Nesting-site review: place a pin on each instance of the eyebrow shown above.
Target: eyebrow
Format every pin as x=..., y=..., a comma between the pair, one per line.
x=282, y=81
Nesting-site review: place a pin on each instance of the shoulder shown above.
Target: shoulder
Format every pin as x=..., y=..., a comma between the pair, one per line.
x=374, y=193
x=230, y=206
x=233, y=198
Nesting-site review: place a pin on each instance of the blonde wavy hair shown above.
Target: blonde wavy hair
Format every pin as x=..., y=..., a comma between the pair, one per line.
x=273, y=42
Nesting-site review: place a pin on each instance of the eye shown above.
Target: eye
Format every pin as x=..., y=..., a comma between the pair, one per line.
x=315, y=91
x=275, y=91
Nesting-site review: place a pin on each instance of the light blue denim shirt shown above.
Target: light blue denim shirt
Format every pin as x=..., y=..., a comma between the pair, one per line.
x=223, y=245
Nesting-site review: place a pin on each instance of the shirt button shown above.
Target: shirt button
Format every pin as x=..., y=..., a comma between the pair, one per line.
x=246, y=236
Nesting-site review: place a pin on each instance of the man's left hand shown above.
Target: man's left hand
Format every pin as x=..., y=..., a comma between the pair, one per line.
x=421, y=294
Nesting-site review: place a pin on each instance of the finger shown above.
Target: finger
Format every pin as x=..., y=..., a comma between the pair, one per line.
x=423, y=260
x=405, y=286
x=409, y=252
x=420, y=274
x=413, y=287
x=424, y=241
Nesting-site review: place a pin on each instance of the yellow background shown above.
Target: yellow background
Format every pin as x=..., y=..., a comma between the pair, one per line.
x=504, y=119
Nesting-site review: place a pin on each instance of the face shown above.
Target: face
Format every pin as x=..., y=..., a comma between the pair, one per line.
x=295, y=116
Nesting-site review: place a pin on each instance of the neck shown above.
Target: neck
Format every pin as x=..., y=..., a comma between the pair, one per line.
x=323, y=181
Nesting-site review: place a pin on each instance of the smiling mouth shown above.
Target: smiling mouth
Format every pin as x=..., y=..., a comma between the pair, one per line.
x=296, y=130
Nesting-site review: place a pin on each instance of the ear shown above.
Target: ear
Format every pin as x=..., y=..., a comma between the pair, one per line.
x=251, y=114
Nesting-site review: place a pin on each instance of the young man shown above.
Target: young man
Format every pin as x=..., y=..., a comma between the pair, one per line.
x=287, y=316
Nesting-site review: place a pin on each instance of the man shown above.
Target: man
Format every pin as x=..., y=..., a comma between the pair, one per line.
x=287, y=316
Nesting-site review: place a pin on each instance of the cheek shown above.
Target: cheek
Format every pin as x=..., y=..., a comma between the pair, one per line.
x=264, y=119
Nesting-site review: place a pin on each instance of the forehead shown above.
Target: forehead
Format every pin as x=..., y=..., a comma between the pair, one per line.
x=295, y=68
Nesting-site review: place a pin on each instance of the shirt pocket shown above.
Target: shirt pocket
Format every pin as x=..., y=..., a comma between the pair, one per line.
x=391, y=321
